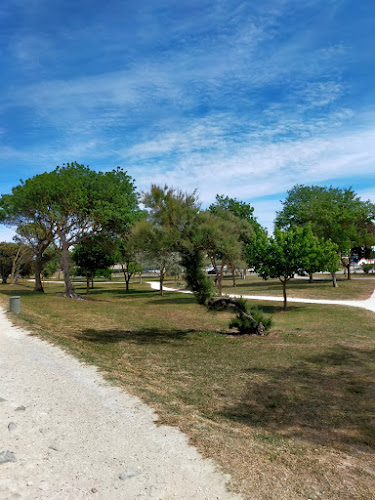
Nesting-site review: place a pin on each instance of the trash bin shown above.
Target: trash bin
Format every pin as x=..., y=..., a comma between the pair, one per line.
x=15, y=304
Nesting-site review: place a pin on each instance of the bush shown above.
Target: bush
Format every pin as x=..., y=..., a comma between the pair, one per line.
x=249, y=319
x=367, y=268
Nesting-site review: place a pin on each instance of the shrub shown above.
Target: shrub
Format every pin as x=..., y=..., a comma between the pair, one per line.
x=367, y=268
x=249, y=319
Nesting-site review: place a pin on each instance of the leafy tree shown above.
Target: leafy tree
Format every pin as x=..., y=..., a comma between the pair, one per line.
x=367, y=268
x=73, y=202
x=93, y=254
x=39, y=238
x=221, y=237
x=127, y=255
x=240, y=209
x=251, y=233
x=333, y=213
x=171, y=217
x=21, y=262
x=331, y=259
x=287, y=254
x=50, y=261
x=158, y=244
x=8, y=252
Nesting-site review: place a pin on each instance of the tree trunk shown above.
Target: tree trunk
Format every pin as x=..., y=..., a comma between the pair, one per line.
x=69, y=289
x=162, y=271
x=220, y=281
x=348, y=267
x=311, y=278
x=127, y=284
x=334, y=281
x=4, y=279
x=92, y=281
x=87, y=284
x=284, y=294
x=233, y=277
x=38, y=287
x=13, y=272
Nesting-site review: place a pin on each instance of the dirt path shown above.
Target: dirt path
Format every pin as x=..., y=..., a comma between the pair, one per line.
x=65, y=434
x=368, y=304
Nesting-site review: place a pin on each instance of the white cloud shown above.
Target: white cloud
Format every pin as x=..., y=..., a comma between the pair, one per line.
x=250, y=171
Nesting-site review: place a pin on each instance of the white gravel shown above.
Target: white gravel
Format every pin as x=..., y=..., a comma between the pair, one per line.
x=75, y=437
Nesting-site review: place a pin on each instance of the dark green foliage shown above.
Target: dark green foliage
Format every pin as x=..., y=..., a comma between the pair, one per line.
x=333, y=213
x=94, y=254
x=196, y=278
x=367, y=268
x=240, y=209
x=8, y=252
x=72, y=203
x=249, y=319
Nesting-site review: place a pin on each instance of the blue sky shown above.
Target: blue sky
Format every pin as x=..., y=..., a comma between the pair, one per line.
x=229, y=97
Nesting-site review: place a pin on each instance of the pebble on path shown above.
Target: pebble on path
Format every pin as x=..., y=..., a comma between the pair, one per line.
x=7, y=456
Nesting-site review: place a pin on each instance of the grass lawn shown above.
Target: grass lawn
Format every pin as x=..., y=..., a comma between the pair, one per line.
x=355, y=289
x=291, y=416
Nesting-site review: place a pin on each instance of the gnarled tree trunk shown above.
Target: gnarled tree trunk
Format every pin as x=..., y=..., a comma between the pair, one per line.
x=65, y=261
x=38, y=287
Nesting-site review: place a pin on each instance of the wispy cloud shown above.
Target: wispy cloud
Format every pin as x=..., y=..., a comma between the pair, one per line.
x=230, y=97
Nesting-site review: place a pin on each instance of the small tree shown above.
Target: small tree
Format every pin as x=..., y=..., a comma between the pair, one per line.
x=21, y=261
x=8, y=252
x=331, y=259
x=93, y=254
x=39, y=238
x=126, y=256
x=287, y=254
x=171, y=216
x=366, y=268
x=220, y=235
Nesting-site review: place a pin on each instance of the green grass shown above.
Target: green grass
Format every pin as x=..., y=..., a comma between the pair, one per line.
x=355, y=289
x=290, y=415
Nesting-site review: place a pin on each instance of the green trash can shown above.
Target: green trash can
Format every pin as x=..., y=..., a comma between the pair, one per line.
x=15, y=304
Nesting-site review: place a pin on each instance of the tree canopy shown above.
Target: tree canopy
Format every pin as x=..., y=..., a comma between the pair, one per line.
x=73, y=202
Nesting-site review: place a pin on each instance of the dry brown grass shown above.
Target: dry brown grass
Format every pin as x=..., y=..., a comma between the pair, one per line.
x=291, y=416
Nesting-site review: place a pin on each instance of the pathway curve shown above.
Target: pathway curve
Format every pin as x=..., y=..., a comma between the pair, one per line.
x=65, y=434
x=368, y=304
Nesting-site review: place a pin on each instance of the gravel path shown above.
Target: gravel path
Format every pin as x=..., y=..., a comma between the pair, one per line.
x=65, y=434
x=368, y=304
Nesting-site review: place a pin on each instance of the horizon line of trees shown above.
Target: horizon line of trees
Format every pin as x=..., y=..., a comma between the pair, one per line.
x=94, y=219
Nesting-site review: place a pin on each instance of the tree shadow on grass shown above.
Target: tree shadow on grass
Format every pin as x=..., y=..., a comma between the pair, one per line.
x=322, y=397
x=142, y=336
x=17, y=291
x=183, y=299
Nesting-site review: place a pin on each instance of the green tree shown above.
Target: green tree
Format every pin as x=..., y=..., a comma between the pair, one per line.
x=333, y=213
x=8, y=252
x=331, y=259
x=171, y=217
x=287, y=254
x=21, y=262
x=127, y=256
x=73, y=202
x=222, y=237
x=240, y=209
x=94, y=253
x=251, y=233
x=39, y=238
